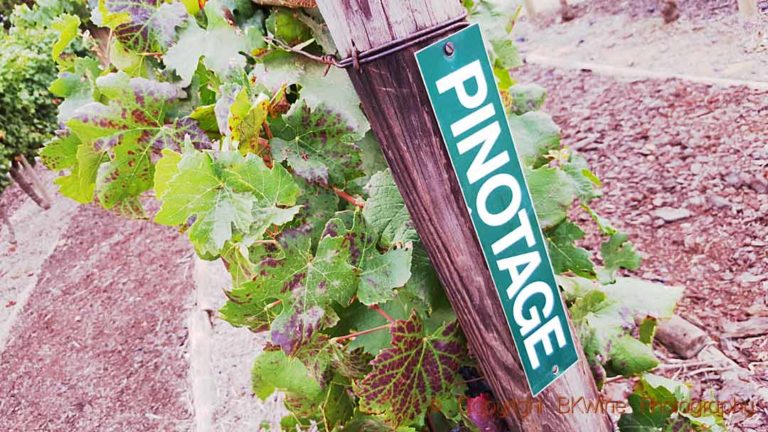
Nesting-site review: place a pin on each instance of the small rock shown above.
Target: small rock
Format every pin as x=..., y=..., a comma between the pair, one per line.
x=748, y=277
x=669, y=214
x=696, y=168
x=719, y=201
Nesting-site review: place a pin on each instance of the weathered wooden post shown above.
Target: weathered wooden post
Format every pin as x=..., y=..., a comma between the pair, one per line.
x=395, y=100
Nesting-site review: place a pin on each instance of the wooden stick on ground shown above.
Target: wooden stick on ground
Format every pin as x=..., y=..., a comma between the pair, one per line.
x=32, y=175
x=7, y=222
x=748, y=9
x=18, y=177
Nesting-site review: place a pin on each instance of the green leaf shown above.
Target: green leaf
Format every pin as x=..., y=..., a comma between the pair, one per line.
x=618, y=252
x=416, y=370
x=552, y=193
x=630, y=356
x=227, y=195
x=535, y=134
x=585, y=181
x=318, y=145
x=385, y=211
x=565, y=255
x=273, y=370
x=80, y=184
x=219, y=45
x=647, y=330
x=381, y=273
x=526, y=97
x=67, y=26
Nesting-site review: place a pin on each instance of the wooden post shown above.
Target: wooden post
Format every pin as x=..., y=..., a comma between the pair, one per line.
x=396, y=102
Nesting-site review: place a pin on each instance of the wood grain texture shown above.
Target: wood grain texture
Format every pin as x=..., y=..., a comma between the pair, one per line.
x=396, y=102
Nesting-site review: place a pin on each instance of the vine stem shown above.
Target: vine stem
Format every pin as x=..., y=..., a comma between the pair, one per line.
x=360, y=333
x=347, y=197
x=7, y=221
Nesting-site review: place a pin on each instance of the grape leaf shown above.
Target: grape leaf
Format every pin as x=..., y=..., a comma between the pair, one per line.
x=318, y=145
x=334, y=91
x=128, y=128
x=273, y=370
x=630, y=356
x=219, y=45
x=416, y=370
x=381, y=273
x=535, y=134
x=526, y=97
x=76, y=87
x=143, y=26
x=565, y=255
x=618, y=252
x=251, y=306
x=60, y=153
x=228, y=194
x=552, y=192
x=385, y=211
x=312, y=283
x=67, y=26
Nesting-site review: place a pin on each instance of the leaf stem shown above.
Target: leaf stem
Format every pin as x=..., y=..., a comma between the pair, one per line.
x=347, y=197
x=381, y=312
x=360, y=333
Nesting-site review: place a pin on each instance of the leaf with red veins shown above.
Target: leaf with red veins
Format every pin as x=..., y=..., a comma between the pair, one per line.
x=416, y=370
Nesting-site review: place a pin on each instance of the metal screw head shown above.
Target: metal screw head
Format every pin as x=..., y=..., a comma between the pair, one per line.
x=449, y=48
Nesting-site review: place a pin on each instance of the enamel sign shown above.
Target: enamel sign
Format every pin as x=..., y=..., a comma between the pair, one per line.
x=462, y=90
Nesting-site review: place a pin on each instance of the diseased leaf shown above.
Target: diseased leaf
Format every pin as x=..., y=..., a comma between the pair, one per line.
x=416, y=370
x=381, y=273
x=143, y=26
x=318, y=146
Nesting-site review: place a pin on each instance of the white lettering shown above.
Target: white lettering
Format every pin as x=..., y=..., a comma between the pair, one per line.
x=458, y=79
x=542, y=336
x=512, y=237
x=533, y=320
x=480, y=166
x=530, y=260
x=497, y=181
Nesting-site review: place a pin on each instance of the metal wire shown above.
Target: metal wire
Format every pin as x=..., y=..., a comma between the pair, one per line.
x=359, y=58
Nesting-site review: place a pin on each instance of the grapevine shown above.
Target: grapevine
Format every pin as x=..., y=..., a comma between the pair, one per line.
x=264, y=159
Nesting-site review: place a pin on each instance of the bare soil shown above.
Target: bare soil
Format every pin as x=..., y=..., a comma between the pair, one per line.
x=100, y=344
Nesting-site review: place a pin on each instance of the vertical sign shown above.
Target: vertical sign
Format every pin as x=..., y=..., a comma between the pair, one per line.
x=462, y=90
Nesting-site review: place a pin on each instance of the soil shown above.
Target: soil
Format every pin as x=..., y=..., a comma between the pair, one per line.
x=100, y=344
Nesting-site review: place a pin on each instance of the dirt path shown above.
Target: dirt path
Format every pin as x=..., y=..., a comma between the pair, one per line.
x=100, y=343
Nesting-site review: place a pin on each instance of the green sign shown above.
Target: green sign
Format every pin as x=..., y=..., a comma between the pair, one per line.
x=468, y=108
